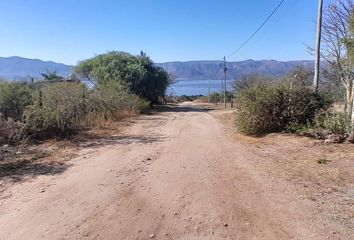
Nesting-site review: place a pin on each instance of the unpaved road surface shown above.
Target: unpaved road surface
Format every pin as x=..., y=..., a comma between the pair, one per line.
x=171, y=175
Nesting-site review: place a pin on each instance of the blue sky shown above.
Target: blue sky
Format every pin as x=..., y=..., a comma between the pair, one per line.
x=71, y=30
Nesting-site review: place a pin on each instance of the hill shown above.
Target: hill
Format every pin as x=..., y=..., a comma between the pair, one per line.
x=16, y=68
x=214, y=69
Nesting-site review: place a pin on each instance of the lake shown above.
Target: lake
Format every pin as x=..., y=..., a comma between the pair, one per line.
x=197, y=87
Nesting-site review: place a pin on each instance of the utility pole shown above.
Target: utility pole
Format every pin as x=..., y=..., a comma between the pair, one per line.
x=225, y=70
x=219, y=97
x=318, y=46
x=209, y=91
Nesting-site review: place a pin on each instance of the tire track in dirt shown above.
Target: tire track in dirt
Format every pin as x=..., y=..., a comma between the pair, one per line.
x=188, y=181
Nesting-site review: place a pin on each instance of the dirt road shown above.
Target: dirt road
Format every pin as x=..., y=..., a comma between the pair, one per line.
x=170, y=175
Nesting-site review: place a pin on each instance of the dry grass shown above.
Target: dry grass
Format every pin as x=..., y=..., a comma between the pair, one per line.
x=51, y=156
x=322, y=173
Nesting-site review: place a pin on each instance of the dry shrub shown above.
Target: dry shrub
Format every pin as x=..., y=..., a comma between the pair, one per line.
x=112, y=101
x=14, y=97
x=10, y=131
x=60, y=108
x=327, y=123
x=273, y=107
x=57, y=108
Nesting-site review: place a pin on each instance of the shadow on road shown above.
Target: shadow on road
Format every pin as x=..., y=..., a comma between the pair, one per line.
x=14, y=168
x=31, y=163
x=19, y=170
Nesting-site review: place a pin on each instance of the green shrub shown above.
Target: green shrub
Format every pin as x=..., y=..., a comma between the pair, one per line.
x=138, y=73
x=304, y=105
x=56, y=109
x=272, y=107
x=261, y=109
x=14, y=97
x=332, y=122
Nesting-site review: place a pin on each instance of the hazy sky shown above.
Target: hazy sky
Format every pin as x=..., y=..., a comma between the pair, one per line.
x=71, y=30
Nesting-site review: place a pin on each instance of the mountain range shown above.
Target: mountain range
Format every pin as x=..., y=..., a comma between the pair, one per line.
x=205, y=70
x=18, y=68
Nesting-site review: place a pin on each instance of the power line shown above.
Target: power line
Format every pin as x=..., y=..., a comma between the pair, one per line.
x=261, y=26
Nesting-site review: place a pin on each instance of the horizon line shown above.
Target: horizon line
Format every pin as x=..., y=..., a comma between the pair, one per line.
x=172, y=61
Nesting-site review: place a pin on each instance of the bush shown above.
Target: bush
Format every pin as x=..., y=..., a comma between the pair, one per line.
x=112, y=100
x=272, y=107
x=332, y=122
x=215, y=97
x=14, y=97
x=10, y=130
x=56, y=109
x=304, y=105
x=250, y=80
x=59, y=108
x=260, y=109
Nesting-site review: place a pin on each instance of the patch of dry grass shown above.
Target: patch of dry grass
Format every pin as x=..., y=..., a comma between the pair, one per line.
x=322, y=173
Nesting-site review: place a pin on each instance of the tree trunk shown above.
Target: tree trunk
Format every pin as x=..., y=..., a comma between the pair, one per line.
x=351, y=137
x=347, y=95
x=349, y=102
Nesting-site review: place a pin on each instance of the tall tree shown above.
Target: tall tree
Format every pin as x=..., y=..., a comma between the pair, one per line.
x=350, y=46
x=335, y=50
x=136, y=73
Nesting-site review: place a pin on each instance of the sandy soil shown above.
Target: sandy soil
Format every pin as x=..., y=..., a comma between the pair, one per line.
x=182, y=173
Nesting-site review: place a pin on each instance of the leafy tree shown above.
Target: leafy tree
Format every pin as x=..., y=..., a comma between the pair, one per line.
x=137, y=73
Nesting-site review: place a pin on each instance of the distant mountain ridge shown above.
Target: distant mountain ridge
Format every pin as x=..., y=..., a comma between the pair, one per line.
x=198, y=70
x=18, y=68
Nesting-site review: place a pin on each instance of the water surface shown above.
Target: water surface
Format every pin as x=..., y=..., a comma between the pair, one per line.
x=197, y=87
